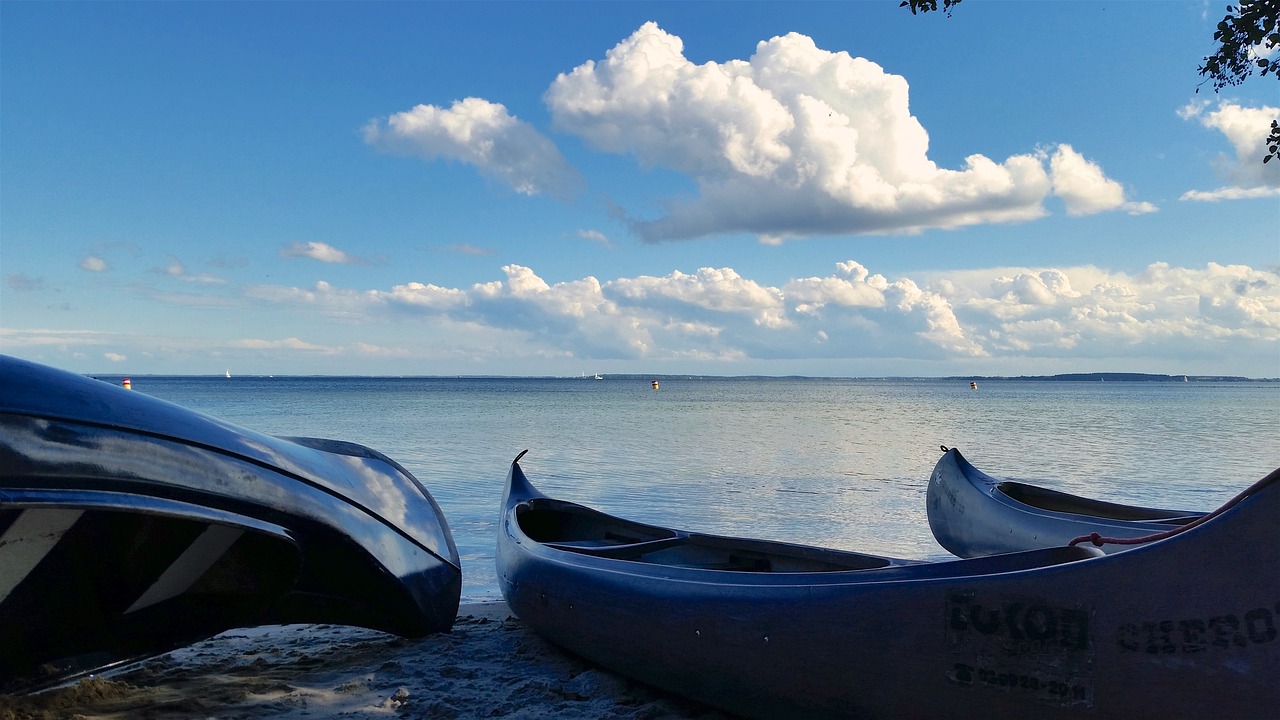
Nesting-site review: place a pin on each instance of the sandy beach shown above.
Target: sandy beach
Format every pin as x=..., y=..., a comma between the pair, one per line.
x=489, y=666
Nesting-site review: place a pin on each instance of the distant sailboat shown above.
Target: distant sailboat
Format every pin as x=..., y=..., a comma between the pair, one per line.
x=228, y=374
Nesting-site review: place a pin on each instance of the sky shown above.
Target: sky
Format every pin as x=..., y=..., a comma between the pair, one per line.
x=559, y=188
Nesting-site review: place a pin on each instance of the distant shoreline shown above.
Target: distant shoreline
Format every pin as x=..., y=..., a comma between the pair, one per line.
x=1127, y=377
x=1062, y=377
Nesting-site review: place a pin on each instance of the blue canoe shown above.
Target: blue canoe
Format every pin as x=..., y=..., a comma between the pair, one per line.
x=973, y=514
x=130, y=526
x=1185, y=627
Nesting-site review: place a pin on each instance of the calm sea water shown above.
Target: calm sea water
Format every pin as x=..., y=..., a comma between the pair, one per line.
x=834, y=462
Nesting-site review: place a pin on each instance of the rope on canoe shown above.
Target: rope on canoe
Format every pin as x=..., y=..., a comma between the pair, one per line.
x=1098, y=540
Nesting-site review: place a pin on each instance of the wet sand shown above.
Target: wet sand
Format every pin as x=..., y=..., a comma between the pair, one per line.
x=490, y=666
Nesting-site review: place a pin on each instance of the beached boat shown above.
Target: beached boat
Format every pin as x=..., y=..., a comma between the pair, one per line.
x=973, y=514
x=130, y=526
x=1187, y=625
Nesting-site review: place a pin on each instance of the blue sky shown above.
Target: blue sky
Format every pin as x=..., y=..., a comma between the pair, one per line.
x=553, y=188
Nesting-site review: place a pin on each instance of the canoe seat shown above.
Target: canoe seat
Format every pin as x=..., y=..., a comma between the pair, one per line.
x=708, y=552
x=617, y=552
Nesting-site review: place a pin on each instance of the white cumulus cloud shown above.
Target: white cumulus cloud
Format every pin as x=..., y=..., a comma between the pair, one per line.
x=596, y=237
x=712, y=289
x=481, y=134
x=1091, y=312
x=1085, y=189
x=292, y=343
x=319, y=251
x=175, y=269
x=1246, y=128
x=93, y=263
x=799, y=141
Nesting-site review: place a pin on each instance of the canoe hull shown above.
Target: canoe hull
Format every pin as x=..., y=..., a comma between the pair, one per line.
x=1039, y=634
x=973, y=514
x=130, y=526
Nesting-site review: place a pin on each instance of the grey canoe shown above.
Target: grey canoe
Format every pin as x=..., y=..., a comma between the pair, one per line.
x=1185, y=627
x=973, y=514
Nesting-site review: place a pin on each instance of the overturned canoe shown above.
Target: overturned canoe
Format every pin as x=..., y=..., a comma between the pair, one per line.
x=130, y=526
x=973, y=514
x=774, y=630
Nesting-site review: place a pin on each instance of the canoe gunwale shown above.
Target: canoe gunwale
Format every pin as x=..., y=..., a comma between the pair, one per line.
x=113, y=501
x=862, y=568
x=620, y=539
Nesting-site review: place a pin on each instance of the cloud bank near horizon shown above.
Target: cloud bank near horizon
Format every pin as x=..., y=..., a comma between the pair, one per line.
x=795, y=141
x=715, y=315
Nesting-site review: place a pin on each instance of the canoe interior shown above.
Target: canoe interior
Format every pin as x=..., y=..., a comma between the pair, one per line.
x=1055, y=501
x=119, y=585
x=570, y=527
